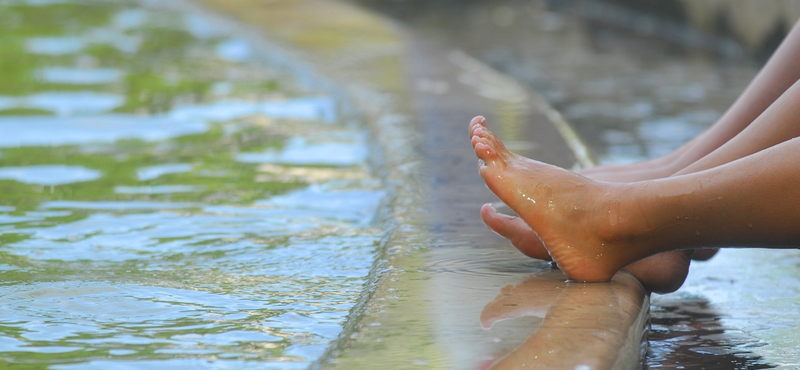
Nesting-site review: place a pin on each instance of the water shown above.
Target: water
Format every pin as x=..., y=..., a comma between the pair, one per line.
x=166, y=199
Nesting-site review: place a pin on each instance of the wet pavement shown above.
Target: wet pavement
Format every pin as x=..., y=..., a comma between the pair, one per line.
x=637, y=81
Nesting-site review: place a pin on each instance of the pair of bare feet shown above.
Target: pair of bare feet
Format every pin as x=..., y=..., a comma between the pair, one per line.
x=586, y=227
x=734, y=183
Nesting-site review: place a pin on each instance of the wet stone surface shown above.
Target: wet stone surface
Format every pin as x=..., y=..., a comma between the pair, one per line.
x=637, y=81
x=168, y=201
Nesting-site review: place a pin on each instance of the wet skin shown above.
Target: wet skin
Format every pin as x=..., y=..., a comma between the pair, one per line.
x=593, y=229
x=753, y=123
x=662, y=273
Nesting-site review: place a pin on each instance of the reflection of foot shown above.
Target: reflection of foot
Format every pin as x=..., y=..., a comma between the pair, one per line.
x=585, y=326
x=531, y=297
x=662, y=273
x=586, y=226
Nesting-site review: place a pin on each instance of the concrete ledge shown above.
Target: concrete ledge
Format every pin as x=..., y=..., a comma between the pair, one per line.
x=583, y=326
x=445, y=293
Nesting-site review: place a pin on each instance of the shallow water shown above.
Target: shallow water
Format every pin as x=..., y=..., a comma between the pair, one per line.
x=166, y=199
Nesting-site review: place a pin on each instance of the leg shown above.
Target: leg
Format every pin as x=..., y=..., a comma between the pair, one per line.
x=662, y=273
x=780, y=72
x=774, y=126
x=594, y=229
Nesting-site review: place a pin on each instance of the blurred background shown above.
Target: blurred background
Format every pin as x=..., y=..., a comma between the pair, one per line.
x=635, y=78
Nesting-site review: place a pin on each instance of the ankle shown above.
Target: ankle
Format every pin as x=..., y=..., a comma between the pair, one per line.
x=628, y=215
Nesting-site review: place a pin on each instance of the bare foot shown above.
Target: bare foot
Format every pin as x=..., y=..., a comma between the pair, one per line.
x=662, y=273
x=587, y=227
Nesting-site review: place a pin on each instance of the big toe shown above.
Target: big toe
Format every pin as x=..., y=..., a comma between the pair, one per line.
x=475, y=122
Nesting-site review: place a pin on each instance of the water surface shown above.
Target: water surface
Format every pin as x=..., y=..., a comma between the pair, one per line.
x=167, y=200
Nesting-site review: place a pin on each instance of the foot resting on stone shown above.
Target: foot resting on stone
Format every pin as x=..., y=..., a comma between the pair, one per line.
x=588, y=228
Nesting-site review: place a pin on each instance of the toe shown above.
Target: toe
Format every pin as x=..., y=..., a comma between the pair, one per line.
x=502, y=224
x=482, y=132
x=480, y=139
x=484, y=151
x=516, y=230
x=476, y=122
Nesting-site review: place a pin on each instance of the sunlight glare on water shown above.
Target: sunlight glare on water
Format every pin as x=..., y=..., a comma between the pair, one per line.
x=167, y=201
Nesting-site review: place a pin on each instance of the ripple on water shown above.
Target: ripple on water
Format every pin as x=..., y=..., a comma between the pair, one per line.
x=235, y=49
x=206, y=261
x=49, y=174
x=183, y=363
x=135, y=236
x=158, y=189
x=73, y=102
x=81, y=315
x=78, y=76
x=54, y=45
x=9, y=219
x=350, y=205
x=83, y=130
x=309, y=108
x=298, y=150
x=152, y=172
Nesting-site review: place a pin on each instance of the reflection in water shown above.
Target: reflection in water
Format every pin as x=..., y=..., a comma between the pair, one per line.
x=78, y=76
x=132, y=232
x=92, y=129
x=297, y=150
x=686, y=334
x=71, y=103
x=583, y=326
x=154, y=172
x=49, y=174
